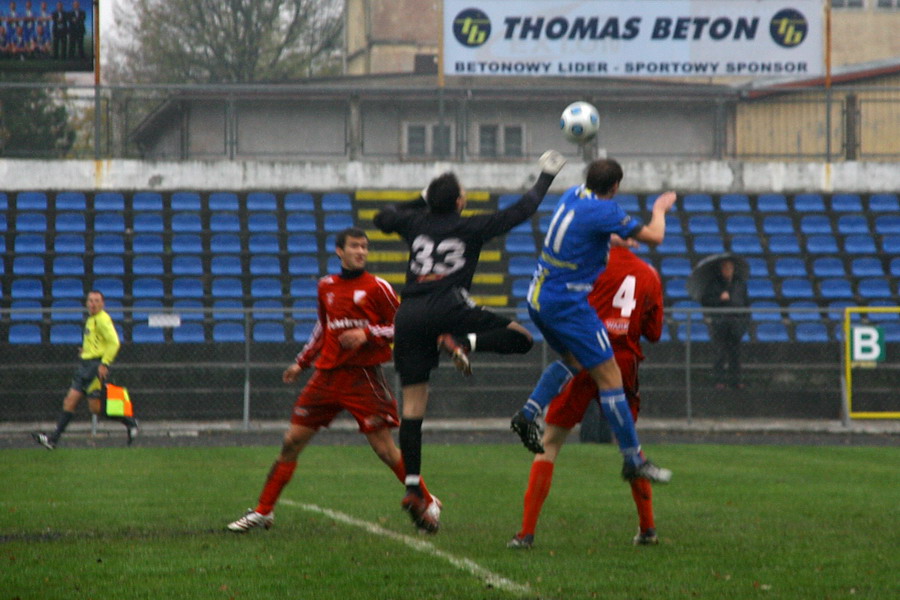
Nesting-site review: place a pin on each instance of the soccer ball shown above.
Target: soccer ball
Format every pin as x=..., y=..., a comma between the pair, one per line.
x=579, y=122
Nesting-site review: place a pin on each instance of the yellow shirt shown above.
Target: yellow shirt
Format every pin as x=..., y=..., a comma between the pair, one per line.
x=100, y=338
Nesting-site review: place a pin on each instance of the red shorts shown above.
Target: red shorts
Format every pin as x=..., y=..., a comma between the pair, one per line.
x=569, y=407
x=361, y=391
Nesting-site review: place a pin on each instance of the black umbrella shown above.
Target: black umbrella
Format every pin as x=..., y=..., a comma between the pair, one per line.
x=708, y=270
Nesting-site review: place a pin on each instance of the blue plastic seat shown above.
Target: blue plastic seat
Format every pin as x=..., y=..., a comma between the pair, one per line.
x=891, y=244
x=808, y=203
x=224, y=222
x=333, y=265
x=262, y=223
x=142, y=333
x=31, y=222
x=815, y=224
x=336, y=202
x=67, y=287
x=758, y=266
x=519, y=289
x=850, y=224
x=298, y=201
x=874, y=287
x=268, y=332
x=669, y=266
x=228, y=310
x=31, y=201
x=187, y=243
x=4, y=201
x=147, y=287
x=24, y=333
x=746, y=244
x=146, y=265
x=26, y=310
x=524, y=227
x=884, y=203
x=835, y=289
x=544, y=224
x=109, y=201
x=811, y=333
x=29, y=243
x=860, y=244
x=142, y=308
x=227, y=287
x=305, y=309
x=302, y=244
x=804, y=310
x=740, y=224
x=760, y=288
x=846, y=203
x=223, y=201
x=300, y=222
x=866, y=266
x=828, y=266
x=695, y=203
x=883, y=316
x=709, y=244
x=732, y=203
x=771, y=331
x=303, y=265
x=67, y=310
x=263, y=243
x=303, y=330
x=225, y=243
x=67, y=243
x=764, y=310
x=304, y=287
x=699, y=332
x=66, y=334
x=547, y=205
x=821, y=244
x=185, y=201
x=109, y=264
x=887, y=224
x=265, y=287
x=698, y=224
x=521, y=266
x=520, y=244
x=189, y=333
x=28, y=265
x=68, y=265
x=226, y=264
x=894, y=267
x=335, y=222
x=673, y=244
x=777, y=225
x=628, y=202
x=265, y=201
x=70, y=201
x=148, y=222
x=228, y=332
x=680, y=314
x=70, y=222
x=796, y=287
x=790, y=266
x=187, y=287
x=771, y=203
x=189, y=309
x=265, y=264
x=186, y=222
x=676, y=288
x=115, y=310
x=110, y=287
x=109, y=243
x=187, y=265
x=268, y=310
x=3, y=227
x=148, y=243
x=109, y=222
x=147, y=201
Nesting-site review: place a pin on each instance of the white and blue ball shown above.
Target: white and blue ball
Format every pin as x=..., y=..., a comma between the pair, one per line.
x=579, y=122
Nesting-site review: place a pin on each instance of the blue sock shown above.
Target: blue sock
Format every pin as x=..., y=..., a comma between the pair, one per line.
x=615, y=409
x=553, y=379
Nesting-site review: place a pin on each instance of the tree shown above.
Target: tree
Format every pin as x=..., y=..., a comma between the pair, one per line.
x=33, y=123
x=225, y=41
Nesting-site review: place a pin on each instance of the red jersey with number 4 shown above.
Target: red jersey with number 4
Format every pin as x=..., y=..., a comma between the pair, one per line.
x=365, y=302
x=628, y=298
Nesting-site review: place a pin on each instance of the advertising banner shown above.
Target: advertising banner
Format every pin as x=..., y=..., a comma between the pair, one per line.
x=47, y=36
x=634, y=38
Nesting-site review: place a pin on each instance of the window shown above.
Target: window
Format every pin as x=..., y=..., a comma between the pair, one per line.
x=488, y=140
x=496, y=140
x=847, y=3
x=513, y=141
x=428, y=139
x=888, y=3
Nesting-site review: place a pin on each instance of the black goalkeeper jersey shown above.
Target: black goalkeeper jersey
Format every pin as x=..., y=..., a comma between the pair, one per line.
x=444, y=248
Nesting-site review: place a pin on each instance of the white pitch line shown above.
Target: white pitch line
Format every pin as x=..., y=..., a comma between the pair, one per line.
x=463, y=564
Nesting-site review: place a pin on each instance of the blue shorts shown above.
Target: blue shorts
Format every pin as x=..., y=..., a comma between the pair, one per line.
x=573, y=327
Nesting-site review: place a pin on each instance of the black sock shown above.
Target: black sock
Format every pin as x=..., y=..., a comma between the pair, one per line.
x=411, y=449
x=61, y=425
x=503, y=341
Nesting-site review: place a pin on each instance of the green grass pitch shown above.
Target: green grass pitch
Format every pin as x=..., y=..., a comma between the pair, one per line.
x=736, y=522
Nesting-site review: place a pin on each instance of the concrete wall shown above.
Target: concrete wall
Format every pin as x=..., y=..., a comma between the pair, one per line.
x=640, y=176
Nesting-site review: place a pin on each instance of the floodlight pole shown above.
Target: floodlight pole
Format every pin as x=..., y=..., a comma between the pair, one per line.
x=97, y=122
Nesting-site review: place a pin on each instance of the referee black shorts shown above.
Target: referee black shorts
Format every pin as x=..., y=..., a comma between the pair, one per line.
x=421, y=319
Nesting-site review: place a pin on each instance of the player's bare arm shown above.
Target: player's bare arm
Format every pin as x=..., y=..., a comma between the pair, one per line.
x=291, y=374
x=655, y=231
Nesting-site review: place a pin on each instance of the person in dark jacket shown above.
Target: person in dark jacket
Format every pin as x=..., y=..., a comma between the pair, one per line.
x=726, y=290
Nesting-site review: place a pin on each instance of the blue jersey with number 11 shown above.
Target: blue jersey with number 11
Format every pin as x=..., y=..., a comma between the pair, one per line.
x=576, y=246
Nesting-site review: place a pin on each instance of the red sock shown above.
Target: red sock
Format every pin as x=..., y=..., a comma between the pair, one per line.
x=539, y=481
x=279, y=476
x=399, y=470
x=642, y=492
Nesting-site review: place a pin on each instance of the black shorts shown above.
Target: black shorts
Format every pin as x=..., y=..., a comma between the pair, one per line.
x=85, y=378
x=421, y=319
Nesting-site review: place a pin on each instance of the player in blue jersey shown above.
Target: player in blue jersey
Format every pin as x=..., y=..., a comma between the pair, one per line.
x=574, y=253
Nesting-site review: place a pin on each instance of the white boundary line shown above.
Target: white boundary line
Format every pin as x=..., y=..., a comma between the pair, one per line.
x=464, y=564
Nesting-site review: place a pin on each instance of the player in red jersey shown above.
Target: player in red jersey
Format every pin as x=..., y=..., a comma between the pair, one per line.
x=349, y=343
x=628, y=299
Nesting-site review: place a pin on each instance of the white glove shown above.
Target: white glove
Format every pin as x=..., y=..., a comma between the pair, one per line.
x=551, y=162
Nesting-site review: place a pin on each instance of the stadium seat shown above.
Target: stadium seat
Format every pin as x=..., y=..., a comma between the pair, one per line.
x=676, y=288
x=227, y=287
x=26, y=310
x=67, y=287
x=796, y=287
x=887, y=224
x=303, y=330
x=189, y=333
x=673, y=244
x=790, y=266
x=298, y=201
x=146, y=265
x=109, y=201
x=142, y=308
x=836, y=308
x=804, y=310
x=336, y=222
x=732, y=203
x=66, y=333
x=226, y=265
x=821, y=244
x=3, y=227
x=669, y=266
x=109, y=264
x=31, y=201
x=263, y=243
x=815, y=224
x=740, y=224
x=147, y=287
x=849, y=224
x=65, y=244
x=336, y=202
x=4, y=201
x=185, y=201
x=189, y=310
x=519, y=288
x=305, y=309
x=225, y=243
x=303, y=265
x=187, y=243
x=828, y=266
x=708, y=244
x=68, y=265
x=67, y=310
x=186, y=265
x=70, y=201
x=224, y=222
x=548, y=204
x=109, y=243
x=186, y=222
x=699, y=332
x=811, y=333
x=31, y=222
x=223, y=201
x=891, y=244
x=268, y=310
x=333, y=265
x=894, y=267
x=524, y=227
x=628, y=202
x=29, y=243
x=265, y=287
x=228, y=310
x=265, y=264
x=873, y=287
x=758, y=266
x=300, y=222
x=148, y=222
x=265, y=201
x=746, y=244
x=302, y=244
x=507, y=200
x=771, y=331
x=109, y=222
x=268, y=332
x=304, y=287
x=891, y=332
x=883, y=316
x=866, y=266
x=771, y=203
x=835, y=289
x=147, y=244
x=694, y=203
x=544, y=224
x=228, y=332
x=860, y=244
x=262, y=223
x=808, y=203
x=147, y=201
x=142, y=333
x=699, y=224
x=884, y=203
x=679, y=314
x=70, y=222
x=110, y=287
x=777, y=225
x=24, y=333
x=28, y=265
x=520, y=244
x=673, y=225
x=760, y=288
x=846, y=203
x=764, y=310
